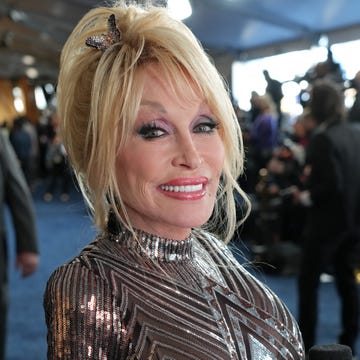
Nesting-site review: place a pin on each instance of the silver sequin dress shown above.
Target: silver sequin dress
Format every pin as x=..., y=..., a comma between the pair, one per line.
x=164, y=300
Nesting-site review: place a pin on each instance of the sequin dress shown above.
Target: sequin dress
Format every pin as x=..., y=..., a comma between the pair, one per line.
x=164, y=299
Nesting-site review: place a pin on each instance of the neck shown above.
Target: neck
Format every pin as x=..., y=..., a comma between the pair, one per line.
x=116, y=226
x=155, y=247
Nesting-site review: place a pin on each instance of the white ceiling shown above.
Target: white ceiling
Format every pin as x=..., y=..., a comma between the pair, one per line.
x=248, y=28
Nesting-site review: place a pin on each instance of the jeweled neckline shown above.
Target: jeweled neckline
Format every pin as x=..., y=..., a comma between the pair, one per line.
x=155, y=247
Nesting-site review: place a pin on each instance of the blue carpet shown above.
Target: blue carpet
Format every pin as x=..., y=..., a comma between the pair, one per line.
x=64, y=229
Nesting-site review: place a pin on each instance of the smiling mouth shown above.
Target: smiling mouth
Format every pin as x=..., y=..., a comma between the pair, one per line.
x=182, y=188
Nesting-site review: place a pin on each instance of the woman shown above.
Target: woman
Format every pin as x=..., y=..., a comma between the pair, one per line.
x=264, y=131
x=154, y=141
x=331, y=236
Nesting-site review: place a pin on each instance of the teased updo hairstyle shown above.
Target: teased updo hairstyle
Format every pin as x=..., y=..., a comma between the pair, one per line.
x=99, y=94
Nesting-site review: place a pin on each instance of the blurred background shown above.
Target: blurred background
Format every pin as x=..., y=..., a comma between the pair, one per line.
x=295, y=42
x=242, y=36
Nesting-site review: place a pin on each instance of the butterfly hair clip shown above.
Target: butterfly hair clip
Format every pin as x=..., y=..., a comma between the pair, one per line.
x=104, y=41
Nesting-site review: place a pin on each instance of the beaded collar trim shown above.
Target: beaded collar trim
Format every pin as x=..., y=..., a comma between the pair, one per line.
x=155, y=247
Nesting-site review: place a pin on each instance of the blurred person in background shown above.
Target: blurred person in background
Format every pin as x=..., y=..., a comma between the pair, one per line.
x=21, y=142
x=274, y=90
x=14, y=195
x=264, y=133
x=59, y=173
x=332, y=231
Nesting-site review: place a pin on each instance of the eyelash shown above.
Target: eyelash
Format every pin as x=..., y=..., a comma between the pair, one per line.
x=151, y=131
x=211, y=126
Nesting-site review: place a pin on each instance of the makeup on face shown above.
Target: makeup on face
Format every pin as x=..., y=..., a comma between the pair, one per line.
x=169, y=168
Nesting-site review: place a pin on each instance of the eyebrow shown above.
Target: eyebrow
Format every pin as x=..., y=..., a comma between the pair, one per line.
x=158, y=106
x=154, y=104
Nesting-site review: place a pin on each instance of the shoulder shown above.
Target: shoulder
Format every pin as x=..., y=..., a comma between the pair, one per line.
x=218, y=248
x=94, y=266
x=75, y=297
x=238, y=279
x=341, y=134
x=320, y=141
x=67, y=280
x=70, y=270
x=78, y=272
x=215, y=247
x=222, y=257
x=72, y=287
x=344, y=130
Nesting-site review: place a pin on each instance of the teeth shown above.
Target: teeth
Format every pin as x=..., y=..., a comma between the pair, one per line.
x=182, y=188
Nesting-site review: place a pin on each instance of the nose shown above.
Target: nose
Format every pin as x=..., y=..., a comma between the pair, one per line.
x=186, y=153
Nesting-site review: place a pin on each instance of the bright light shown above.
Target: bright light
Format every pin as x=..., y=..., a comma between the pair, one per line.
x=291, y=88
x=32, y=72
x=247, y=75
x=179, y=9
x=349, y=95
x=49, y=88
x=40, y=98
x=19, y=105
x=343, y=53
x=17, y=92
x=18, y=99
x=304, y=84
x=323, y=41
x=289, y=103
x=28, y=60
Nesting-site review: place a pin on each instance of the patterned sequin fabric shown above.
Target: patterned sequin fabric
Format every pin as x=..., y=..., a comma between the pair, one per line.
x=164, y=299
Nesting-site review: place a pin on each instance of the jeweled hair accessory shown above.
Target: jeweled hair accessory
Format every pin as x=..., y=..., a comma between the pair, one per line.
x=104, y=41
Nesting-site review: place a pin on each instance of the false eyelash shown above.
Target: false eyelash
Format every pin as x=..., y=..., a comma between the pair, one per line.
x=145, y=130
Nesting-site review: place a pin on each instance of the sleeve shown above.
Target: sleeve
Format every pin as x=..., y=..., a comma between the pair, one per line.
x=82, y=315
x=19, y=200
x=323, y=184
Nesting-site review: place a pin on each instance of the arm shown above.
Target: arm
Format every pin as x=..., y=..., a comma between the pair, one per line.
x=82, y=315
x=323, y=184
x=19, y=200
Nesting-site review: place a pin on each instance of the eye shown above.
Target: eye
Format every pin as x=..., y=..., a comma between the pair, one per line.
x=151, y=131
x=205, y=125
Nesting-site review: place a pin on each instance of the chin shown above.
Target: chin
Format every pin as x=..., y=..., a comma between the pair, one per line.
x=194, y=223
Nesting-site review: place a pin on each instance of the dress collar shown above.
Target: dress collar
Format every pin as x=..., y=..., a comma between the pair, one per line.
x=155, y=247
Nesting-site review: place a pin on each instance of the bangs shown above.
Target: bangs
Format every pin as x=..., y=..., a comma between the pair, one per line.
x=182, y=85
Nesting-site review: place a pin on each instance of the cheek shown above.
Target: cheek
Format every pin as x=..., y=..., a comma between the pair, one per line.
x=132, y=188
x=126, y=179
x=218, y=157
x=135, y=173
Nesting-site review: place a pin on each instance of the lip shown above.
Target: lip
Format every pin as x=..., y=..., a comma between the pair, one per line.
x=181, y=188
x=187, y=181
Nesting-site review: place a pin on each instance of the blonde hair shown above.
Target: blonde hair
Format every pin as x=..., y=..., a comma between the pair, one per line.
x=266, y=104
x=99, y=93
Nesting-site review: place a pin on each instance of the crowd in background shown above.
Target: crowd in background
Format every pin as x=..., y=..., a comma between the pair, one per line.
x=276, y=168
x=275, y=165
x=304, y=182
x=41, y=154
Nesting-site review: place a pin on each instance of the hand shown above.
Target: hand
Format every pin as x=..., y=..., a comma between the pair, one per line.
x=305, y=198
x=302, y=197
x=27, y=263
